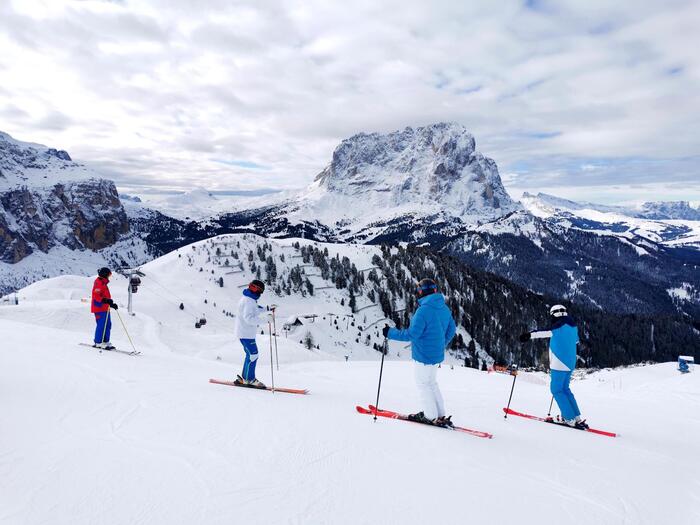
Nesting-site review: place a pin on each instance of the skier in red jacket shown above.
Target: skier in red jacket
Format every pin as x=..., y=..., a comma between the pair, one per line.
x=100, y=305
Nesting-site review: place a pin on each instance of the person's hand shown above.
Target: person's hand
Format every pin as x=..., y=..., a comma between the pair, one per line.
x=525, y=337
x=267, y=317
x=385, y=330
x=114, y=306
x=272, y=307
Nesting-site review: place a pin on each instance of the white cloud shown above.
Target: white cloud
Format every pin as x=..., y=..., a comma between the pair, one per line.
x=152, y=90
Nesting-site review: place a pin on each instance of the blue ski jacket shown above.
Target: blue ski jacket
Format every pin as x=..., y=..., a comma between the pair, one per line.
x=431, y=330
x=562, y=344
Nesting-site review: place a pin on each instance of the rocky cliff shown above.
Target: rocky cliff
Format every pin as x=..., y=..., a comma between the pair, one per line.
x=47, y=200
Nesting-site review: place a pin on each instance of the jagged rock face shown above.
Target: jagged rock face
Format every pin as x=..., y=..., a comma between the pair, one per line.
x=30, y=164
x=85, y=214
x=669, y=210
x=47, y=200
x=433, y=166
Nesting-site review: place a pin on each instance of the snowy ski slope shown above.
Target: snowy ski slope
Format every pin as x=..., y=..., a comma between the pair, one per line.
x=90, y=438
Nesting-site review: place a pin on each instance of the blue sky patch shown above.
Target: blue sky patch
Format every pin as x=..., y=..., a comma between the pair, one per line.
x=245, y=164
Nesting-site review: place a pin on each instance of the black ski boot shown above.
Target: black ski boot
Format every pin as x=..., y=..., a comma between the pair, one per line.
x=240, y=381
x=444, y=421
x=581, y=424
x=256, y=384
x=420, y=418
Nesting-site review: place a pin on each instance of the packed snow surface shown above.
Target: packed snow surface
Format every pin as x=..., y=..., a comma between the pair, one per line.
x=105, y=438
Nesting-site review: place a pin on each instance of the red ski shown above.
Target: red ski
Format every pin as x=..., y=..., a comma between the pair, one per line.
x=276, y=389
x=512, y=412
x=395, y=415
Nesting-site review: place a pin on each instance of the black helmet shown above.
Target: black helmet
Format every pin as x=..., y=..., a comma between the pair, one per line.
x=426, y=287
x=104, y=272
x=256, y=286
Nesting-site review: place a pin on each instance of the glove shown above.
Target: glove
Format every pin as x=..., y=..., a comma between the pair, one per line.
x=266, y=317
x=114, y=306
x=110, y=303
x=272, y=307
x=524, y=337
x=385, y=330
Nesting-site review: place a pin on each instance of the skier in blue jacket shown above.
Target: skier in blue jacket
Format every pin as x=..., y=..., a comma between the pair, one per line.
x=563, y=338
x=431, y=330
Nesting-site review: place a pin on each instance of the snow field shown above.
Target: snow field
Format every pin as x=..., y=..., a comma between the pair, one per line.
x=108, y=439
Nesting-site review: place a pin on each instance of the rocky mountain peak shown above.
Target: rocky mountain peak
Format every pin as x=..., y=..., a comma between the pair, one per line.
x=436, y=165
x=29, y=164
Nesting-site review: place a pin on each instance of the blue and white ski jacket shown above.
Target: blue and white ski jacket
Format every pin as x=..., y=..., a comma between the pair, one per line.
x=562, y=344
x=431, y=330
x=249, y=315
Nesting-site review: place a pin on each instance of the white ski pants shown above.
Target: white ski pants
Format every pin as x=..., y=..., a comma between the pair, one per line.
x=431, y=400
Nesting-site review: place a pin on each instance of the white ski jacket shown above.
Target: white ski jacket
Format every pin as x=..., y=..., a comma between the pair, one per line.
x=250, y=315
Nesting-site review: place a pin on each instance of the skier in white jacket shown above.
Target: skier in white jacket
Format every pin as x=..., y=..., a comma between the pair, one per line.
x=250, y=315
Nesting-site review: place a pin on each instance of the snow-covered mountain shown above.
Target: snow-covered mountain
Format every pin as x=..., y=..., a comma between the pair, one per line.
x=668, y=223
x=429, y=173
x=340, y=295
x=413, y=184
x=430, y=186
x=57, y=215
x=543, y=204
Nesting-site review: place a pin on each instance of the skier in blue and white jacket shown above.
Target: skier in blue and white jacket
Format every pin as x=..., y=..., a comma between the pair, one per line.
x=563, y=338
x=431, y=330
x=250, y=315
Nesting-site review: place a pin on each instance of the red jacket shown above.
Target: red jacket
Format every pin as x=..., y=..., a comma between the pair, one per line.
x=100, y=291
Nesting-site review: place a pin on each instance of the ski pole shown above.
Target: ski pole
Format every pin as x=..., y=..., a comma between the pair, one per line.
x=515, y=376
x=125, y=330
x=272, y=368
x=274, y=331
x=549, y=412
x=385, y=350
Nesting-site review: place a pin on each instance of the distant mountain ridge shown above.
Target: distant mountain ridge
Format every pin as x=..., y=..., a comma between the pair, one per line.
x=657, y=210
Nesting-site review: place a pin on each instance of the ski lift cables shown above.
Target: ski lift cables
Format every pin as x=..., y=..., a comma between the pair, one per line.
x=199, y=320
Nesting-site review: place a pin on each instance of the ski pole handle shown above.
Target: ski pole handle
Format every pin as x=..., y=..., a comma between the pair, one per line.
x=515, y=376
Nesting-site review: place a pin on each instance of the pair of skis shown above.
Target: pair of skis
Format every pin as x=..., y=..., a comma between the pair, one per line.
x=125, y=352
x=511, y=412
x=268, y=388
x=372, y=411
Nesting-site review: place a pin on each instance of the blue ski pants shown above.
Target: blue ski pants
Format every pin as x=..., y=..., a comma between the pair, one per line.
x=563, y=395
x=251, y=358
x=103, y=328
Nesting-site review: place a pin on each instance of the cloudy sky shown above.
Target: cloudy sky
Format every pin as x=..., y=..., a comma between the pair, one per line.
x=587, y=99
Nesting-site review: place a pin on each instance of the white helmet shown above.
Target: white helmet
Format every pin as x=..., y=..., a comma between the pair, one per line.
x=557, y=310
